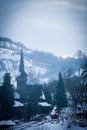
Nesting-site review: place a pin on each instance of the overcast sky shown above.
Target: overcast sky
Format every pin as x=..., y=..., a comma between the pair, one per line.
x=57, y=26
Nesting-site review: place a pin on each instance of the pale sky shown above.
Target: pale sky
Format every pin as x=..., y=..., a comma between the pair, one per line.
x=56, y=26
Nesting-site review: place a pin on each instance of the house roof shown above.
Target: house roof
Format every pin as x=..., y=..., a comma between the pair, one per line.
x=7, y=123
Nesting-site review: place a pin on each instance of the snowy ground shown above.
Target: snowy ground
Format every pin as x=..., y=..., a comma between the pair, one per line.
x=47, y=126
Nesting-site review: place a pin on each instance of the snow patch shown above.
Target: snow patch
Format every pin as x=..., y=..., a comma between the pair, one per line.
x=44, y=104
x=18, y=104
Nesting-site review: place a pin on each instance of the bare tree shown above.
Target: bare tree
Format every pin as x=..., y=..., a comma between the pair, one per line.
x=33, y=77
x=73, y=87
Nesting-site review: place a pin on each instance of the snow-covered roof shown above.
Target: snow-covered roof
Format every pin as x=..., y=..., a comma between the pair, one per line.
x=17, y=95
x=77, y=73
x=7, y=122
x=81, y=71
x=43, y=96
x=53, y=111
x=44, y=104
x=18, y=104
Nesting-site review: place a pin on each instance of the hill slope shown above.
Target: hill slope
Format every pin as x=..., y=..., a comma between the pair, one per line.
x=45, y=64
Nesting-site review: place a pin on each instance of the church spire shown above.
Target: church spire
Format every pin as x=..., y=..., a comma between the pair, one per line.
x=22, y=79
x=21, y=68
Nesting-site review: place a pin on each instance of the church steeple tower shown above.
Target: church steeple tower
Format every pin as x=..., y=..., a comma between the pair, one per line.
x=21, y=67
x=22, y=79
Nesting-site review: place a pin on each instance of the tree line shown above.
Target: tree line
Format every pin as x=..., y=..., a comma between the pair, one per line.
x=55, y=93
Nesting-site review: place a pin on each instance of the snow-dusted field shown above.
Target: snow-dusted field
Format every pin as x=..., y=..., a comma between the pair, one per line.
x=49, y=126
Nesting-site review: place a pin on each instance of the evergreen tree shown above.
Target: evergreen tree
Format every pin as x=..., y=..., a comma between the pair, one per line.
x=60, y=97
x=7, y=94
